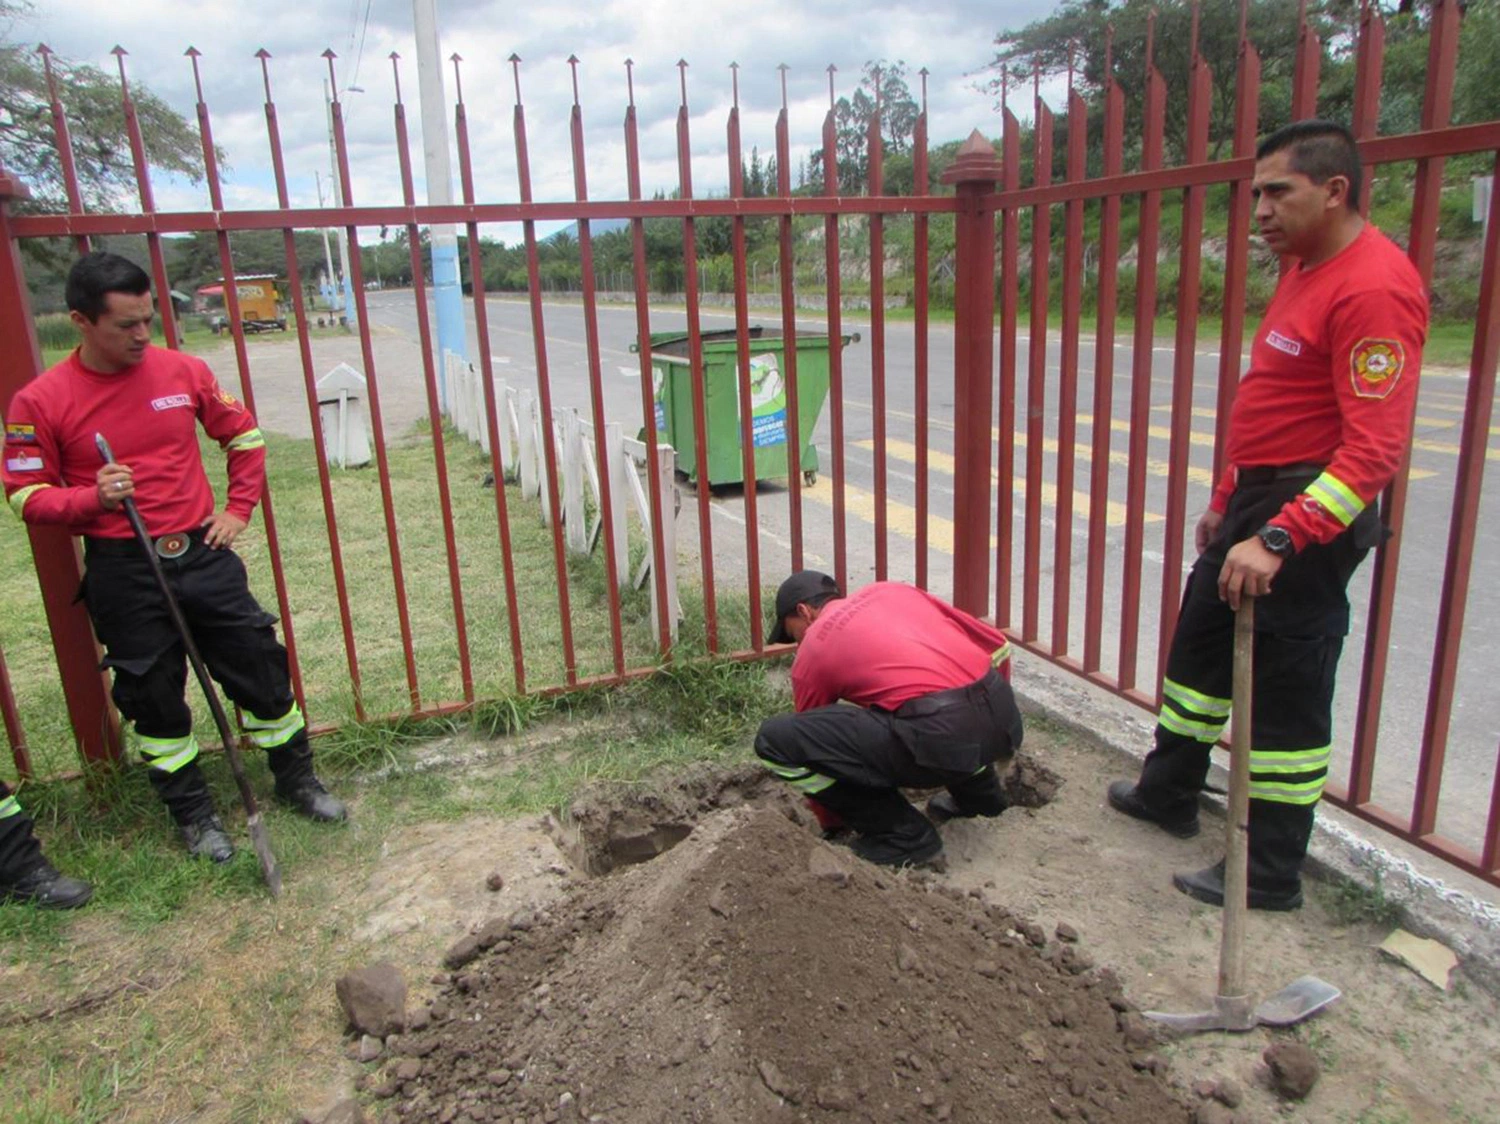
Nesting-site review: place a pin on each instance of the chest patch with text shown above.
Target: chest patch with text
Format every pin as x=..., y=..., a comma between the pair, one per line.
x=1281, y=343
x=172, y=402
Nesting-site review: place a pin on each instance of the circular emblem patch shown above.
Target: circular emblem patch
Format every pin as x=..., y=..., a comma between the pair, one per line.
x=1375, y=365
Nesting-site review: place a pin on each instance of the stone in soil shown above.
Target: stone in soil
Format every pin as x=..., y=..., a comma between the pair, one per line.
x=1293, y=1068
x=736, y=978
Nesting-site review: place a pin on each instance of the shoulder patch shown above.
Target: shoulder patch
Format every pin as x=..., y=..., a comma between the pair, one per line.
x=22, y=433
x=1375, y=366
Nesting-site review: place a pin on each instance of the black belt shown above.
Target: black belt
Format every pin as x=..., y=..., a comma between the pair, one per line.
x=173, y=545
x=1253, y=475
x=937, y=701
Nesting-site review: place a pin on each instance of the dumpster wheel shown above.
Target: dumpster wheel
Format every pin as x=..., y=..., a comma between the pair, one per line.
x=810, y=477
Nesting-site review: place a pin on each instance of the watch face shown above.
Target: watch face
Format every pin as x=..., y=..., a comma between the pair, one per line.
x=1278, y=540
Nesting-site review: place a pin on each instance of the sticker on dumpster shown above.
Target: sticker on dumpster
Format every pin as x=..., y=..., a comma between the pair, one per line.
x=767, y=402
x=658, y=376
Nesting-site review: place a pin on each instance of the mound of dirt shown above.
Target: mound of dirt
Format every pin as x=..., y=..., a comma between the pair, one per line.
x=756, y=973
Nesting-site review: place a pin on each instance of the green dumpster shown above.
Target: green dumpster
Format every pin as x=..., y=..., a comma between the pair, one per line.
x=672, y=376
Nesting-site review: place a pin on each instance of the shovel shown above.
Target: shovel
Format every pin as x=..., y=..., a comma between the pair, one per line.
x=262, y=842
x=1232, y=1008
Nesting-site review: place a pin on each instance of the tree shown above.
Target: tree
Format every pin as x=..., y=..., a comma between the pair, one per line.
x=96, y=121
x=852, y=115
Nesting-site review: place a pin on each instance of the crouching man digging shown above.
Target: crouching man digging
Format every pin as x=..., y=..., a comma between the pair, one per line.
x=931, y=707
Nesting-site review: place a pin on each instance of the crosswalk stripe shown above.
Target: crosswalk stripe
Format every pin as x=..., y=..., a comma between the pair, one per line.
x=943, y=462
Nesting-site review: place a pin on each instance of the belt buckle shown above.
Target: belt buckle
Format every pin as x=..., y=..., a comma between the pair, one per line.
x=173, y=546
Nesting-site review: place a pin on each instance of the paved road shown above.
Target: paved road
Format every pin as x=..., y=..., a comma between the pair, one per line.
x=1469, y=771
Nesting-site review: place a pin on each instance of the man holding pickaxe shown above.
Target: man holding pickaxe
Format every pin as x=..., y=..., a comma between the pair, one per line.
x=1321, y=423
x=148, y=402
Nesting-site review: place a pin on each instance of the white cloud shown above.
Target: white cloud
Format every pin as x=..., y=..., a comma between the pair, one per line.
x=951, y=38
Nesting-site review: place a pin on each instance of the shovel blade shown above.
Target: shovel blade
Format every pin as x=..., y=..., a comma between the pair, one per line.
x=270, y=870
x=1300, y=999
x=1231, y=1012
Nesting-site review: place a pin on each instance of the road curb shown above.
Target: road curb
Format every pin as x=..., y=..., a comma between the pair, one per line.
x=1434, y=900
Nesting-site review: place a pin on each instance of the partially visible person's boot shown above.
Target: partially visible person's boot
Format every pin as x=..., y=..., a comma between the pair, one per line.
x=1207, y=885
x=45, y=888
x=907, y=845
x=206, y=839
x=978, y=795
x=298, y=786
x=1126, y=797
x=891, y=831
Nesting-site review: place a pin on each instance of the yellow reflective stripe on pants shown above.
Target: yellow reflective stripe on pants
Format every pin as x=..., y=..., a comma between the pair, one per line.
x=1197, y=701
x=1290, y=760
x=169, y=754
x=1199, y=731
x=1281, y=792
x=10, y=806
x=272, y=733
x=803, y=780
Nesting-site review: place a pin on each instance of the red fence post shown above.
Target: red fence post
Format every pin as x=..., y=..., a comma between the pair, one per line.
x=974, y=174
x=96, y=726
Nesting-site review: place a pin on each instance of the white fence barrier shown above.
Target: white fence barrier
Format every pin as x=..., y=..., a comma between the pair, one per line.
x=522, y=459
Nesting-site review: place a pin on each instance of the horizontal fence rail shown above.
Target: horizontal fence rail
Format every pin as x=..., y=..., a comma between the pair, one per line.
x=1050, y=481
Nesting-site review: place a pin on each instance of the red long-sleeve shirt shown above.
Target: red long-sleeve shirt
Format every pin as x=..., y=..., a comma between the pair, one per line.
x=888, y=643
x=149, y=414
x=1333, y=381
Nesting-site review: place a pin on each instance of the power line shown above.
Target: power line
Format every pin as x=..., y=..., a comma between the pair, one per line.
x=359, y=56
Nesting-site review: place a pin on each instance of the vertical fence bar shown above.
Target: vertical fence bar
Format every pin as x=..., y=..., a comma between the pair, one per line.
x=1305, y=68
x=1236, y=250
x=834, y=299
x=1067, y=388
x=544, y=397
x=1104, y=368
x=15, y=733
x=63, y=142
x=1473, y=449
x=742, y=365
x=658, y=547
x=242, y=364
x=1437, y=110
x=1368, y=68
x=695, y=367
x=788, y=260
x=1010, y=304
x=973, y=175
x=607, y=512
x=876, y=186
x=96, y=725
x=148, y=204
x=310, y=385
x=429, y=371
x=372, y=387
x=920, y=252
x=1143, y=339
x=1184, y=354
x=1036, y=368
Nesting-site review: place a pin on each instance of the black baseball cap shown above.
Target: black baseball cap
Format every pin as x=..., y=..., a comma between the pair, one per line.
x=803, y=586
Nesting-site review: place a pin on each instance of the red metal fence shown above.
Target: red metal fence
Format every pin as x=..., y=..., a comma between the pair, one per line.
x=1120, y=559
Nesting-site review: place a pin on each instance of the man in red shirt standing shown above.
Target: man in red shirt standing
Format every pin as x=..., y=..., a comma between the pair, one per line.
x=148, y=404
x=1320, y=426
x=932, y=707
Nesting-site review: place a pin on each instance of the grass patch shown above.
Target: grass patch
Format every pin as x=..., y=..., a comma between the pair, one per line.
x=1351, y=903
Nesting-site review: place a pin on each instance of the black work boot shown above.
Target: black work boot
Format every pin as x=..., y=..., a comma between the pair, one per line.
x=978, y=795
x=1207, y=885
x=207, y=839
x=45, y=888
x=1126, y=797
x=891, y=831
x=298, y=786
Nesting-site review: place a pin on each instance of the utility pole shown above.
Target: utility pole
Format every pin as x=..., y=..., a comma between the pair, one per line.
x=447, y=289
x=338, y=201
x=330, y=286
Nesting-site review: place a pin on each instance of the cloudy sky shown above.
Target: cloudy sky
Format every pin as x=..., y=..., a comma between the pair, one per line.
x=951, y=38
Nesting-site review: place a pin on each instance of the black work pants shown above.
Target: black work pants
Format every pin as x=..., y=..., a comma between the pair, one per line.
x=949, y=739
x=1299, y=635
x=234, y=635
x=20, y=853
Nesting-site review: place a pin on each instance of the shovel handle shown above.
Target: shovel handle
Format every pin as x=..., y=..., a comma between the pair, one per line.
x=1237, y=821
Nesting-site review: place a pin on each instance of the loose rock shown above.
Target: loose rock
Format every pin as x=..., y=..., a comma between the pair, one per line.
x=374, y=998
x=1294, y=1069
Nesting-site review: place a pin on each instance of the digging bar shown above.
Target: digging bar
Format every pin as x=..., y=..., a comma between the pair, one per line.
x=1232, y=1008
x=258, y=836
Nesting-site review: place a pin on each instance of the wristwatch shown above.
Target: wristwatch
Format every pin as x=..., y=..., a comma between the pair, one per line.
x=1278, y=540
